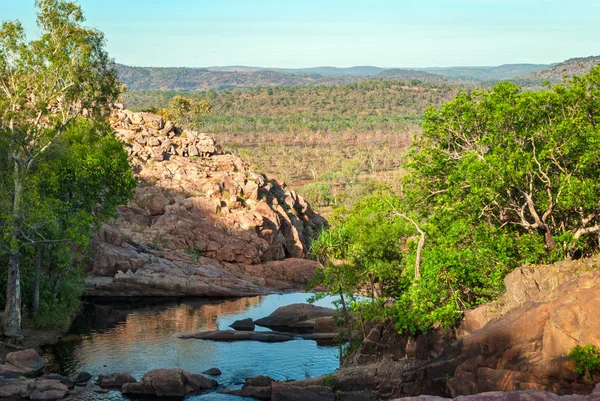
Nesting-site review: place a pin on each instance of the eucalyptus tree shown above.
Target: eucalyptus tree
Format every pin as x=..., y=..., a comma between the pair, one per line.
x=45, y=84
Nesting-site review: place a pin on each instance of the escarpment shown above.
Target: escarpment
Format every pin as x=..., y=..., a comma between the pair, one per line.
x=201, y=223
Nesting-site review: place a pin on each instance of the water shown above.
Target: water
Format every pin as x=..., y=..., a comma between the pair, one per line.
x=138, y=338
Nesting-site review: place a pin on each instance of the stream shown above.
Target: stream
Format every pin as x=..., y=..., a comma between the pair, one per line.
x=137, y=337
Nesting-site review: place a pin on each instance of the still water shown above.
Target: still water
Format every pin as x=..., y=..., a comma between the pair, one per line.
x=137, y=338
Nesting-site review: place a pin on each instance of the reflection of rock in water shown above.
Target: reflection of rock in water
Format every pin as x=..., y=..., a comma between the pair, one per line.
x=161, y=317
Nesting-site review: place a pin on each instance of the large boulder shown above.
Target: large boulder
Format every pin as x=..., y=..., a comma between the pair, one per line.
x=295, y=317
x=27, y=363
x=169, y=383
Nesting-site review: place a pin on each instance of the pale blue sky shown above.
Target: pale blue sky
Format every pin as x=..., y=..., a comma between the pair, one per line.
x=293, y=33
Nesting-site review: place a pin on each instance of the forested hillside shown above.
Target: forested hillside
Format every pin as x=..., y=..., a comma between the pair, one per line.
x=568, y=68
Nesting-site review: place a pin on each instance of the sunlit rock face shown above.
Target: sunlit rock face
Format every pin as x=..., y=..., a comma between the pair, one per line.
x=201, y=222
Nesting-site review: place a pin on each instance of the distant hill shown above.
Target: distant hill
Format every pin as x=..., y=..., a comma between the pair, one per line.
x=362, y=71
x=568, y=68
x=195, y=79
x=240, y=77
x=499, y=73
x=409, y=75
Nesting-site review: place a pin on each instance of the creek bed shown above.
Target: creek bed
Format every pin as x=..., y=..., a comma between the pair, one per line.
x=137, y=337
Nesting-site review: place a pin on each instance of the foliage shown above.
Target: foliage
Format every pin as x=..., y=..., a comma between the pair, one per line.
x=524, y=161
x=587, y=359
x=47, y=83
x=317, y=193
x=186, y=111
x=74, y=187
x=498, y=178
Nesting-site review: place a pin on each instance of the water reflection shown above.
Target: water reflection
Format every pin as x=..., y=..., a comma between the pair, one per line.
x=138, y=338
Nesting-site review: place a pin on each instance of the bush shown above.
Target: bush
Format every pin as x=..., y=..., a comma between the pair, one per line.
x=587, y=360
x=317, y=193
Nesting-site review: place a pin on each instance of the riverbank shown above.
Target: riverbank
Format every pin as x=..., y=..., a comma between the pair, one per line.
x=33, y=338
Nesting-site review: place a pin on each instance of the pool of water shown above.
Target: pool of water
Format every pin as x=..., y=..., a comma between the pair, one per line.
x=139, y=337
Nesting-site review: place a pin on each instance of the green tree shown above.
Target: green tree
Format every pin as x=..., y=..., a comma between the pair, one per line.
x=524, y=161
x=45, y=84
x=186, y=111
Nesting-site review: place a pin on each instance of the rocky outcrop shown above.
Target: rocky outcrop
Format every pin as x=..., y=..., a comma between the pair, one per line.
x=520, y=342
x=168, y=383
x=201, y=223
x=301, y=318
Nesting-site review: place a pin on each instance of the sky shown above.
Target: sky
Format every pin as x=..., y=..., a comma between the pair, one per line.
x=341, y=33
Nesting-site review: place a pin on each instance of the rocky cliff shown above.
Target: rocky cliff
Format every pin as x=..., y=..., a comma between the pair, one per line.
x=201, y=223
x=520, y=342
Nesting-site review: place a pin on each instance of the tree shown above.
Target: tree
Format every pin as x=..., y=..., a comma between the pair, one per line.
x=186, y=111
x=527, y=162
x=45, y=85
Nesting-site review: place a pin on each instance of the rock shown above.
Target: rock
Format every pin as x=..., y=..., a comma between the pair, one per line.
x=82, y=378
x=15, y=388
x=502, y=396
x=213, y=372
x=364, y=395
x=199, y=226
x=169, y=383
x=243, y=325
x=47, y=390
x=63, y=379
x=258, y=387
x=26, y=362
x=519, y=343
x=289, y=392
x=231, y=335
x=295, y=317
x=115, y=380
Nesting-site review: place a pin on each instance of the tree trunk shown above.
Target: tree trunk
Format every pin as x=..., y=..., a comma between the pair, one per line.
x=550, y=243
x=36, y=283
x=12, y=311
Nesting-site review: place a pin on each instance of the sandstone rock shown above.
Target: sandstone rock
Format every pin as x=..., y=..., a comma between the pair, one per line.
x=289, y=392
x=522, y=344
x=169, y=383
x=115, y=380
x=14, y=388
x=243, y=325
x=231, y=335
x=26, y=362
x=187, y=211
x=47, y=390
x=295, y=317
x=63, y=379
